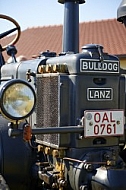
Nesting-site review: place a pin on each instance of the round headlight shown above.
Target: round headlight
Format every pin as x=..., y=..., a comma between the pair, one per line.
x=17, y=99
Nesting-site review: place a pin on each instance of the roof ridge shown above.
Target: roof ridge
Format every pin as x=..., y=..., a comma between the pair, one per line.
x=58, y=25
x=102, y=20
x=44, y=26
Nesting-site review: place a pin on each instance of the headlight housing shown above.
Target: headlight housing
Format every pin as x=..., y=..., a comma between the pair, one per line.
x=17, y=99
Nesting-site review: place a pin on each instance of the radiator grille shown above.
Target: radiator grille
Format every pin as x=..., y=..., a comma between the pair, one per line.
x=48, y=106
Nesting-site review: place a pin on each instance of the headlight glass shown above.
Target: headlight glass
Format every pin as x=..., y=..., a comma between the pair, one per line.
x=17, y=99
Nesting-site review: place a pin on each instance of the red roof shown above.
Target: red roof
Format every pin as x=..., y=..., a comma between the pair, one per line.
x=109, y=33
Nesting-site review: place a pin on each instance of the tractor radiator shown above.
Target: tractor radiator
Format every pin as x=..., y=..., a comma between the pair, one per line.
x=50, y=109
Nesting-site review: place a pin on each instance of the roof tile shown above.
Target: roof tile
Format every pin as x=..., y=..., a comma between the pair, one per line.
x=108, y=33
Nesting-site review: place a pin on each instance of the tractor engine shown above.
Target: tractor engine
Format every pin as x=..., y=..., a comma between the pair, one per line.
x=79, y=94
x=62, y=119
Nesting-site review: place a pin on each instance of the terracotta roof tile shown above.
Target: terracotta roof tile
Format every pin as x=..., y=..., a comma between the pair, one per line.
x=108, y=33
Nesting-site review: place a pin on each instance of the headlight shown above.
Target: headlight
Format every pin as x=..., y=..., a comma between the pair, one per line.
x=17, y=99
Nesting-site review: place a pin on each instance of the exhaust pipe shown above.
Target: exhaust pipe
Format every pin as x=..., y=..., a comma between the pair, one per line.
x=71, y=25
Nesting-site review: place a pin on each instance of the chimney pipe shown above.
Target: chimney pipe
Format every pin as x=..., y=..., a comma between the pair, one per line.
x=71, y=25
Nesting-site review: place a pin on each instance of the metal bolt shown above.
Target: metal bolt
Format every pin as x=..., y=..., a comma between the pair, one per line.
x=88, y=167
x=83, y=187
x=54, y=185
x=118, y=122
x=55, y=153
x=91, y=123
x=47, y=150
x=63, y=183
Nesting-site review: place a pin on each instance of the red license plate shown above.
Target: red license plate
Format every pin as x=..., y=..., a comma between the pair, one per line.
x=103, y=123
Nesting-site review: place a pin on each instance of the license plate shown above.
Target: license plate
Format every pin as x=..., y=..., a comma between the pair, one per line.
x=103, y=123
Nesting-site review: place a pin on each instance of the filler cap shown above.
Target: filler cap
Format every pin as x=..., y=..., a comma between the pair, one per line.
x=78, y=1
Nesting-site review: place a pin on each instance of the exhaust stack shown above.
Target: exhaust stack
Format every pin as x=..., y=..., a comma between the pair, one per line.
x=71, y=25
